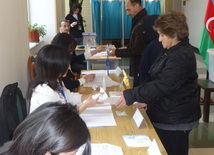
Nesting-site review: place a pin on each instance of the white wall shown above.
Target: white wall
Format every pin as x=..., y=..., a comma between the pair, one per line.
x=87, y=15
x=43, y=12
x=14, y=48
x=195, y=12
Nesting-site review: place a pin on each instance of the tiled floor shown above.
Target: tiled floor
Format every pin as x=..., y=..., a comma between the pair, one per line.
x=201, y=139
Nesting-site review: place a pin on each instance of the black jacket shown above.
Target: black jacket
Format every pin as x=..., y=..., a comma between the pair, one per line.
x=172, y=92
x=69, y=81
x=136, y=43
x=74, y=31
x=152, y=50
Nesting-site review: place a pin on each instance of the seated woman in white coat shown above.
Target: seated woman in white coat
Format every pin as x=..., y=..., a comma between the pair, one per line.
x=52, y=63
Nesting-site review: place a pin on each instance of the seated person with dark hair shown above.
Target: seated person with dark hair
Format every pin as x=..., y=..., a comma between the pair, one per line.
x=77, y=61
x=53, y=128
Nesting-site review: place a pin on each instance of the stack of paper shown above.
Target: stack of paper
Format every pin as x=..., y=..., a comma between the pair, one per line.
x=99, y=116
x=106, y=149
x=116, y=71
x=113, y=97
x=97, y=72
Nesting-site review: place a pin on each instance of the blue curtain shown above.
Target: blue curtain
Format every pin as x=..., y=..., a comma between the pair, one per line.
x=152, y=7
x=112, y=18
x=95, y=5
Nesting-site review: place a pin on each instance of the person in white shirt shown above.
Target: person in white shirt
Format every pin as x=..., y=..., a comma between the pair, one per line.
x=52, y=63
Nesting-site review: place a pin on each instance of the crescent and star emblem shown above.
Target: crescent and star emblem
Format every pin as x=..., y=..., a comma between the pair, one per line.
x=207, y=24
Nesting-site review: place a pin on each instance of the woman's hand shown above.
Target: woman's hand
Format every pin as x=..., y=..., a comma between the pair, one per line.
x=73, y=24
x=89, y=77
x=91, y=101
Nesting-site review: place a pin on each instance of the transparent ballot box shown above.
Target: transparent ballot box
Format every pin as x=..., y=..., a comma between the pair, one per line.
x=89, y=39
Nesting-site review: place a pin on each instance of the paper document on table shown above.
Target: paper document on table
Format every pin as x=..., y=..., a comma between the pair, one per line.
x=96, y=72
x=104, y=53
x=106, y=149
x=137, y=140
x=99, y=116
x=98, y=81
x=113, y=97
x=116, y=71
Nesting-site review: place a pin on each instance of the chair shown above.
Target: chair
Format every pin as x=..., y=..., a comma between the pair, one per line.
x=31, y=66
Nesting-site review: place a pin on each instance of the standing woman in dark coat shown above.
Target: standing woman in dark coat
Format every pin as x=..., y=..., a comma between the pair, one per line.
x=76, y=23
x=171, y=93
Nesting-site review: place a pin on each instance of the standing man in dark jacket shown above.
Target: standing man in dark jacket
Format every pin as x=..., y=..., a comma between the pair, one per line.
x=136, y=44
x=152, y=50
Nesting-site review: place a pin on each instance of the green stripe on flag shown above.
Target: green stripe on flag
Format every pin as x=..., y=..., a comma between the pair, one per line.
x=205, y=44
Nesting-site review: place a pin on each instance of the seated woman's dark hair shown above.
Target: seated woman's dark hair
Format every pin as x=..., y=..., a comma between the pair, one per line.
x=65, y=40
x=53, y=127
x=52, y=61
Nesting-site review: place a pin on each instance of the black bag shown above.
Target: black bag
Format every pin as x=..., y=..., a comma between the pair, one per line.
x=12, y=111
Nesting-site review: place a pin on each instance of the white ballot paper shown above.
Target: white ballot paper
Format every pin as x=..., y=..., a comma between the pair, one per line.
x=113, y=97
x=103, y=95
x=137, y=140
x=106, y=149
x=99, y=116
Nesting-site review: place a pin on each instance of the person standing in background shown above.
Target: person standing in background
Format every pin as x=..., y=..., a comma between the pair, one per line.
x=76, y=23
x=137, y=43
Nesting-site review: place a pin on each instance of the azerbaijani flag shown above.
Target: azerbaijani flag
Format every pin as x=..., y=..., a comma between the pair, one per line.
x=207, y=38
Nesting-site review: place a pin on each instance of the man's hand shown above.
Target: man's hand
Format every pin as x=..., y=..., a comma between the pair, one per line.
x=89, y=77
x=112, y=52
x=121, y=102
x=98, y=50
x=140, y=105
x=124, y=47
